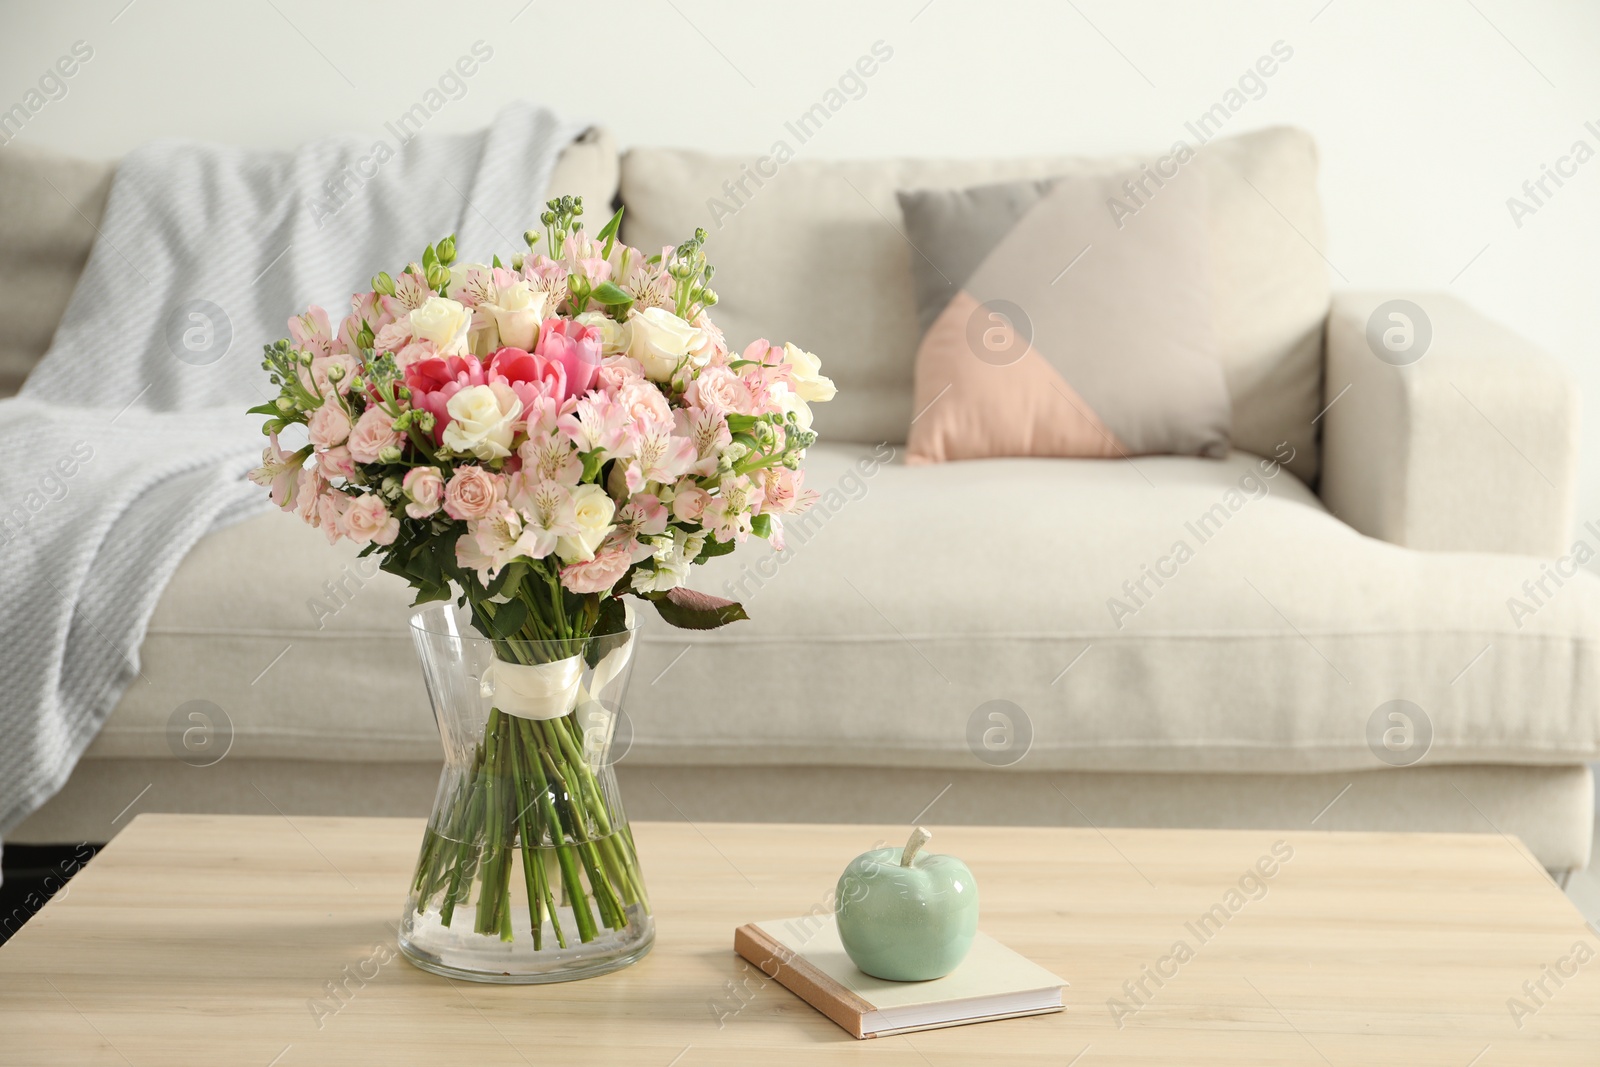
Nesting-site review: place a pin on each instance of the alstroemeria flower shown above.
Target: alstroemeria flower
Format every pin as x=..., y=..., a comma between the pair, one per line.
x=657, y=456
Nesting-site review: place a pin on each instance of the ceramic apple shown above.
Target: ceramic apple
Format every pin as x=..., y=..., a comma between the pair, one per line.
x=906, y=915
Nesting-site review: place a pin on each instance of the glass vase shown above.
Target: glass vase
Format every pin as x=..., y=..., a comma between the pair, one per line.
x=527, y=871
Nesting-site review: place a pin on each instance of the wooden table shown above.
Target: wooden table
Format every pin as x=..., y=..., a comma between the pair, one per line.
x=215, y=940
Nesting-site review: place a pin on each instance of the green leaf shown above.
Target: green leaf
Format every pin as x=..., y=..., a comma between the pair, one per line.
x=428, y=594
x=510, y=574
x=741, y=423
x=269, y=409
x=608, y=293
x=691, y=610
x=508, y=618
x=714, y=548
x=761, y=525
x=608, y=233
x=613, y=617
x=591, y=464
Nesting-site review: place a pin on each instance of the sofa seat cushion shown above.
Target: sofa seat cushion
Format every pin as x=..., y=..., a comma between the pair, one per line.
x=912, y=596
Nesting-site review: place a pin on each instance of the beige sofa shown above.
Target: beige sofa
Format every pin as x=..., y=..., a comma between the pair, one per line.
x=1249, y=686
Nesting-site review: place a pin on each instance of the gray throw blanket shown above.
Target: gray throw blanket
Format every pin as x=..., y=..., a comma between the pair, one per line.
x=129, y=442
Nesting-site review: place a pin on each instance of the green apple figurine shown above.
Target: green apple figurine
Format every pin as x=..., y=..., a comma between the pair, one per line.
x=905, y=915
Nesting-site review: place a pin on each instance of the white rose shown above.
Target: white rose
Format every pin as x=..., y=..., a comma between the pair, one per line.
x=788, y=401
x=660, y=340
x=806, y=370
x=518, y=311
x=592, y=511
x=482, y=420
x=444, y=322
x=614, y=336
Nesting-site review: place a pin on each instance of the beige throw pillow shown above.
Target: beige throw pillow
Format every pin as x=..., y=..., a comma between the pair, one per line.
x=1057, y=326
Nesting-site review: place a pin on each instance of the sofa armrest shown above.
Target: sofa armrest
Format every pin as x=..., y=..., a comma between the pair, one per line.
x=1473, y=446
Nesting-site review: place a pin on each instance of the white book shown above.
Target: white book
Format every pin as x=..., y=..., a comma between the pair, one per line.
x=806, y=957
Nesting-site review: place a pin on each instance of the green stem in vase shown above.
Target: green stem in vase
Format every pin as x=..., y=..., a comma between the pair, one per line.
x=564, y=852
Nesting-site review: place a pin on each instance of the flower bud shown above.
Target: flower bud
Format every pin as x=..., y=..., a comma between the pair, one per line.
x=446, y=250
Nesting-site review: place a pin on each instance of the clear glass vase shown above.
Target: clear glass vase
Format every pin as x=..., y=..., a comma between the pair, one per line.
x=528, y=871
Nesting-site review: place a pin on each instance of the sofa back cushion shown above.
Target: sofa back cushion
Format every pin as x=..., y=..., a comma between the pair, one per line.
x=54, y=203
x=815, y=253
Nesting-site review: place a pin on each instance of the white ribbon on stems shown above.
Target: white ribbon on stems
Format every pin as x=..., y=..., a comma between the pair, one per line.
x=551, y=690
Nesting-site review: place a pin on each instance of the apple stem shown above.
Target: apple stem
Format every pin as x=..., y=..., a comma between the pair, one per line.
x=914, y=843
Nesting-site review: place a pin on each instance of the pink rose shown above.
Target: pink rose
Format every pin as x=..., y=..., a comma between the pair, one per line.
x=393, y=337
x=330, y=515
x=602, y=572
x=373, y=433
x=578, y=348
x=689, y=503
x=718, y=387
x=617, y=372
x=337, y=463
x=367, y=520
x=472, y=493
x=433, y=381
x=644, y=403
x=308, y=494
x=424, y=490
x=329, y=425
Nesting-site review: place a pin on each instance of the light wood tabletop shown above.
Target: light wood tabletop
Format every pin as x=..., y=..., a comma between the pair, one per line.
x=215, y=940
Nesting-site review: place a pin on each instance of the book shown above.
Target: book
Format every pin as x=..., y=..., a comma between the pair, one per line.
x=807, y=958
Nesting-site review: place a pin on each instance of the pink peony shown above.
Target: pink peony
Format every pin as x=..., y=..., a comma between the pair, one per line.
x=329, y=426
x=472, y=493
x=433, y=381
x=368, y=520
x=424, y=490
x=602, y=572
x=578, y=348
x=373, y=433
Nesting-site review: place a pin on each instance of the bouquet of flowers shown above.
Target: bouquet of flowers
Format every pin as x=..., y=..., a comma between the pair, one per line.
x=539, y=439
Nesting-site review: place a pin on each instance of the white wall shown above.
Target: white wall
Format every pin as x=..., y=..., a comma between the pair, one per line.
x=1429, y=114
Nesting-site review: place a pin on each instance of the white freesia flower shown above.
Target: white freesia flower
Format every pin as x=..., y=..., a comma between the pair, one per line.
x=444, y=322
x=673, y=554
x=788, y=400
x=482, y=417
x=592, y=512
x=806, y=370
x=659, y=340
